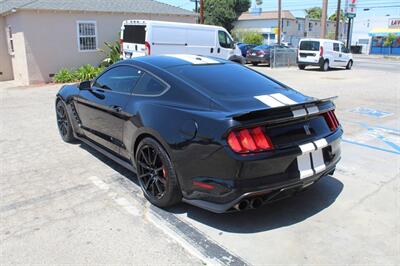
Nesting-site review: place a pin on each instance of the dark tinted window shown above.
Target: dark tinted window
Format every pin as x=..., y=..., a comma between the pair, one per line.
x=309, y=45
x=148, y=85
x=225, y=80
x=134, y=34
x=119, y=79
x=336, y=47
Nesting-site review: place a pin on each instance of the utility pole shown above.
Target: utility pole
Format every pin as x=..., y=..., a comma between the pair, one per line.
x=323, y=18
x=337, y=20
x=279, y=21
x=201, y=12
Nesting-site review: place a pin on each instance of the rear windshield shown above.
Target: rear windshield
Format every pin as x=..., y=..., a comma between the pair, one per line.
x=309, y=45
x=225, y=80
x=134, y=34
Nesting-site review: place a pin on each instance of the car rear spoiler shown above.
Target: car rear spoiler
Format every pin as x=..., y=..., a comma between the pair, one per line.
x=288, y=112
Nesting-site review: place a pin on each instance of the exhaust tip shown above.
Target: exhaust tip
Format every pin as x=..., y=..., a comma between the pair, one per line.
x=256, y=203
x=242, y=205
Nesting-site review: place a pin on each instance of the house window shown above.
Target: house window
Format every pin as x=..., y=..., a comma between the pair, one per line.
x=10, y=40
x=310, y=26
x=87, y=35
x=287, y=23
x=299, y=27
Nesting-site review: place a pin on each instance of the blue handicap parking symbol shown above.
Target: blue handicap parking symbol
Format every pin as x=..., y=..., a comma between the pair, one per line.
x=371, y=112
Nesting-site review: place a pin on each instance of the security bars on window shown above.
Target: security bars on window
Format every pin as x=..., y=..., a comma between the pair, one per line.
x=87, y=36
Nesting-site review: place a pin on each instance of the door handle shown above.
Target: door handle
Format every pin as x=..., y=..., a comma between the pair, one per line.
x=116, y=108
x=211, y=50
x=218, y=50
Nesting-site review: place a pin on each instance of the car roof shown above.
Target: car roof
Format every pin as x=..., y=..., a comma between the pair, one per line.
x=172, y=60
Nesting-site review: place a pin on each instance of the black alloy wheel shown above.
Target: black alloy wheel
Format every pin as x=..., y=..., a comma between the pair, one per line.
x=63, y=122
x=156, y=175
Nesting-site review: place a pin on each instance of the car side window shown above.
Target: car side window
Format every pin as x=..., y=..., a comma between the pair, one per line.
x=336, y=47
x=149, y=86
x=119, y=79
x=343, y=48
x=224, y=40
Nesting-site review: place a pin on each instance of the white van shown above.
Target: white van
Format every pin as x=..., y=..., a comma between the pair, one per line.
x=323, y=53
x=149, y=37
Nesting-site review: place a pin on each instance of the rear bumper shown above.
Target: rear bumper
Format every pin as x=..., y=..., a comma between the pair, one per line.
x=257, y=59
x=304, y=63
x=264, y=195
x=269, y=178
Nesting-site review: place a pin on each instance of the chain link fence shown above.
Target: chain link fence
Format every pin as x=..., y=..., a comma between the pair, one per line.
x=283, y=57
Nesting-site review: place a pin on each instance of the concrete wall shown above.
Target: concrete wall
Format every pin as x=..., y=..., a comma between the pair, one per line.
x=6, y=72
x=50, y=39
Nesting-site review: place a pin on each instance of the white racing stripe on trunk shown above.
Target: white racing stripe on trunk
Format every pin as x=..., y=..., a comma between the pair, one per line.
x=283, y=98
x=312, y=109
x=299, y=112
x=321, y=143
x=305, y=148
x=304, y=165
x=318, y=161
x=268, y=100
x=194, y=59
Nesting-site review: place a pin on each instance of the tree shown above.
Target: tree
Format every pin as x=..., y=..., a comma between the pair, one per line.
x=314, y=12
x=224, y=12
x=253, y=38
x=333, y=16
x=389, y=39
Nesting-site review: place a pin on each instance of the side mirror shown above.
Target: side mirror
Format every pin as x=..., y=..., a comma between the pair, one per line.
x=85, y=85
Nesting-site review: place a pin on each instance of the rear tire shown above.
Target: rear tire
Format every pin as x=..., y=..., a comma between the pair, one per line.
x=254, y=63
x=64, y=123
x=325, y=66
x=302, y=67
x=156, y=174
x=349, y=64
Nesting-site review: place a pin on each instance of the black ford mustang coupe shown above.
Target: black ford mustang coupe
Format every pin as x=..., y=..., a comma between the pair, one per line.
x=202, y=130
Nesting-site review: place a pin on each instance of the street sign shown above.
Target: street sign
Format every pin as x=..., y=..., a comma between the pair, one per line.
x=350, y=8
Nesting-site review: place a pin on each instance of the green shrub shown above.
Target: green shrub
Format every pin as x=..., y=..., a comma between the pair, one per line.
x=253, y=38
x=113, y=53
x=86, y=72
x=64, y=75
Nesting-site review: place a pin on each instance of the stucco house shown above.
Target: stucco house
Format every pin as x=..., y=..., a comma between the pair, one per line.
x=37, y=38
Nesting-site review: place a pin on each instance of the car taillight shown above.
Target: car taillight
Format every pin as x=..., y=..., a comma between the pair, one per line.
x=249, y=140
x=147, y=48
x=331, y=120
x=321, y=51
x=121, y=46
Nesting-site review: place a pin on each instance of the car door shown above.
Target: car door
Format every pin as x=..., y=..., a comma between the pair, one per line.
x=225, y=45
x=336, y=55
x=345, y=55
x=101, y=109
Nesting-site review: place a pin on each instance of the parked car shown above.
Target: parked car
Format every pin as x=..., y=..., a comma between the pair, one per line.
x=324, y=54
x=261, y=54
x=149, y=37
x=244, y=47
x=203, y=130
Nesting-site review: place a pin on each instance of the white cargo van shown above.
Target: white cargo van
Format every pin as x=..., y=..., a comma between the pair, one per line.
x=148, y=37
x=323, y=53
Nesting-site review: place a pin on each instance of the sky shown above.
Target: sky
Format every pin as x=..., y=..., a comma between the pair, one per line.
x=377, y=7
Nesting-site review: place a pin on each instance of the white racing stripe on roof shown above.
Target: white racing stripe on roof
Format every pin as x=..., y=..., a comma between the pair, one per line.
x=194, y=59
x=283, y=98
x=268, y=100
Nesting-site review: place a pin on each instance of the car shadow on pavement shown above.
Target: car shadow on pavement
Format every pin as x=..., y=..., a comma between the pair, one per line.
x=271, y=216
x=282, y=213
